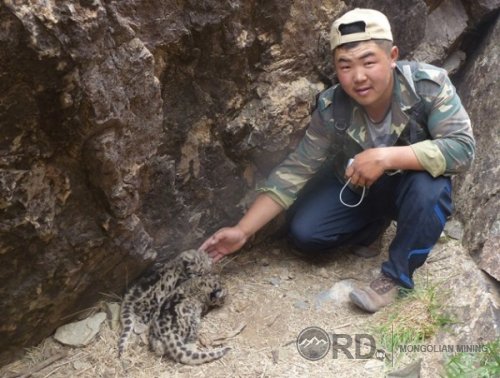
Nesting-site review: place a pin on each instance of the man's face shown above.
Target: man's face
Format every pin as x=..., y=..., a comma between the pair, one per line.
x=365, y=73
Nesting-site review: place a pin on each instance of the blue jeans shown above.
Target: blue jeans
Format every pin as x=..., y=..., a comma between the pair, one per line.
x=419, y=203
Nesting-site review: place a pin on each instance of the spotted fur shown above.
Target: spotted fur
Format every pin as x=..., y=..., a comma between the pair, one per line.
x=174, y=329
x=147, y=294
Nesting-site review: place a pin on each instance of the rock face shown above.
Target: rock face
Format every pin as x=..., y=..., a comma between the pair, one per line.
x=132, y=129
x=477, y=191
x=440, y=36
x=80, y=109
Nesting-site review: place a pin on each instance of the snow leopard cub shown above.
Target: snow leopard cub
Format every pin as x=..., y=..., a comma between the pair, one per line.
x=174, y=328
x=149, y=291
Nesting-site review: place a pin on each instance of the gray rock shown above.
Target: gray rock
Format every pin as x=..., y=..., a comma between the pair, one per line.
x=410, y=371
x=470, y=298
x=489, y=260
x=301, y=304
x=338, y=293
x=482, y=9
x=113, y=314
x=477, y=191
x=454, y=229
x=445, y=25
x=275, y=281
x=454, y=62
x=81, y=365
x=79, y=334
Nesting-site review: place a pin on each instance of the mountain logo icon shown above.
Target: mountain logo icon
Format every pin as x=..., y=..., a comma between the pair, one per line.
x=313, y=343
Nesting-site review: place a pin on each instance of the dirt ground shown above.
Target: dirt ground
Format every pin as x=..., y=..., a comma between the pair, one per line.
x=273, y=296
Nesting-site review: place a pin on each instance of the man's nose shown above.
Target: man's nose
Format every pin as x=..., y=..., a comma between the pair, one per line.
x=359, y=75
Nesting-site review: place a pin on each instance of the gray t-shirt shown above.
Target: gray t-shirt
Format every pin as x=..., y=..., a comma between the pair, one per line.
x=380, y=133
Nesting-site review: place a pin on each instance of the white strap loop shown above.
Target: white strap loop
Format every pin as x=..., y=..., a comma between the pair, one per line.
x=347, y=204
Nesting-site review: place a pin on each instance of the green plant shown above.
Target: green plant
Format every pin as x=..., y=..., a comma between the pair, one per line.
x=484, y=364
x=412, y=320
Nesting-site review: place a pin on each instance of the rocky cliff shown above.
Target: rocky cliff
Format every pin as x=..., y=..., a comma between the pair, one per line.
x=132, y=129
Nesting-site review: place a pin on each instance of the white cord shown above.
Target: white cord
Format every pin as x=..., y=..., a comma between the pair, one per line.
x=342, y=191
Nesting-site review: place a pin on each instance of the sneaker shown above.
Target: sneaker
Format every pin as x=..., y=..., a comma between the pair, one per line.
x=381, y=292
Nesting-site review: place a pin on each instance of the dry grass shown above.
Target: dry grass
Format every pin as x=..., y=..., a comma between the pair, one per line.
x=272, y=297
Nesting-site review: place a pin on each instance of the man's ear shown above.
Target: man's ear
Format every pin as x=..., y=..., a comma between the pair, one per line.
x=394, y=56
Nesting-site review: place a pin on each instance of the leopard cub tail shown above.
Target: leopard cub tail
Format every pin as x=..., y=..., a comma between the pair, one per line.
x=189, y=353
x=127, y=320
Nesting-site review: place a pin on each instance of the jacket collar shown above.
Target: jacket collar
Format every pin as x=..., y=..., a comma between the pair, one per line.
x=404, y=98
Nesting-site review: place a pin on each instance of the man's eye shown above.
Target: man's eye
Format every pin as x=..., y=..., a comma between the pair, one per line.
x=369, y=63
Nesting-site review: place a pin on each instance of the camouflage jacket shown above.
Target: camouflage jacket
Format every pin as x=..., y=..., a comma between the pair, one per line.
x=441, y=139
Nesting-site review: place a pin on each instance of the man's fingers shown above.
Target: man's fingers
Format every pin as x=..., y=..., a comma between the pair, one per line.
x=213, y=253
x=210, y=242
x=217, y=257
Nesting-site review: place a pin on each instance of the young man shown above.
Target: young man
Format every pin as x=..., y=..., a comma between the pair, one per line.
x=386, y=138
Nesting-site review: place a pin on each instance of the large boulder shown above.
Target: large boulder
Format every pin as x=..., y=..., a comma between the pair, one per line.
x=80, y=112
x=477, y=191
x=446, y=25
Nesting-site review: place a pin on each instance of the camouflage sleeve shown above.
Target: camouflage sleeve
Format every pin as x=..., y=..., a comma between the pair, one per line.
x=286, y=180
x=451, y=149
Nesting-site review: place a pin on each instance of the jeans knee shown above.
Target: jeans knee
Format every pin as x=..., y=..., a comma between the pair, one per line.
x=301, y=236
x=306, y=238
x=422, y=187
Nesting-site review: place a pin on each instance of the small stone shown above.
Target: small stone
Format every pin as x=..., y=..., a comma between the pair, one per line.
x=321, y=298
x=339, y=292
x=454, y=229
x=79, y=334
x=264, y=261
x=275, y=281
x=410, y=371
x=443, y=238
x=113, y=312
x=275, y=252
x=81, y=365
x=453, y=63
x=301, y=305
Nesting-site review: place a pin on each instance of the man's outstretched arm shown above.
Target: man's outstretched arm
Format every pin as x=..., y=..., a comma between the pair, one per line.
x=230, y=239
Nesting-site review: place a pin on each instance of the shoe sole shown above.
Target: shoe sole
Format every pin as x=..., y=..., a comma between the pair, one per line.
x=355, y=298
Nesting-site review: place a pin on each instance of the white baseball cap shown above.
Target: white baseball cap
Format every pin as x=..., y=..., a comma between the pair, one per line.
x=375, y=25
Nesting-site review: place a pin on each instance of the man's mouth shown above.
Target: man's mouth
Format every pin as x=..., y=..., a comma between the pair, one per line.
x=363, y=91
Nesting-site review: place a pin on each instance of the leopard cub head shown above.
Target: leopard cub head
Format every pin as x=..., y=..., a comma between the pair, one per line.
x=195, y=262
x=213, y=291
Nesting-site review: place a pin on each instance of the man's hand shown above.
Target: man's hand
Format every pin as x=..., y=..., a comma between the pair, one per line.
x=367, y=167
x=224, y=242
x=229, y=239
x=370, y=164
